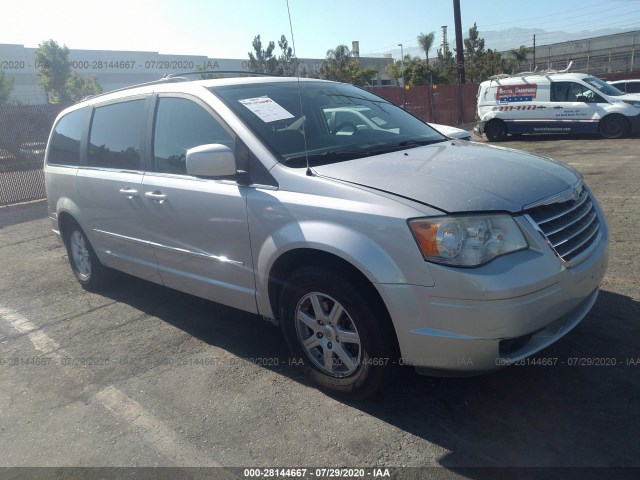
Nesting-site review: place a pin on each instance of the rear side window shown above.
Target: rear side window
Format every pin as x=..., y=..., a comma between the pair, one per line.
x=64, y=148
x=116, y=136
x=180, y=125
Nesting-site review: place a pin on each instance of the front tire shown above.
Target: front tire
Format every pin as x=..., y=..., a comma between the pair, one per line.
x=613, y=126
x=340, y=331
x=86, y=267
x=495, y=130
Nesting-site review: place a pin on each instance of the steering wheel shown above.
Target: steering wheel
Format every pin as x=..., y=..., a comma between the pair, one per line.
x=344, y=125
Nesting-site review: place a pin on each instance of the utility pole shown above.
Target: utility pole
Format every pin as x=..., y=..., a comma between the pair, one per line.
x=459, y=55
x=459, y=44
x=534, y=51
x=404, y=94
x=445, y=43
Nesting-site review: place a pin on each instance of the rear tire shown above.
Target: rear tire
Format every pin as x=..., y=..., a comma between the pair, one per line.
x=338, y=331
x=495, y=130
x=614, y=126
x=86, y=267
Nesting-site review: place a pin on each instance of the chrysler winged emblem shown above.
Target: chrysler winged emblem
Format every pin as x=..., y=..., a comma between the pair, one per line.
x=576, y=194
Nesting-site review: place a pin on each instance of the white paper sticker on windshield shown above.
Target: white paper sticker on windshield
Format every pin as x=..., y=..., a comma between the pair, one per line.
x=266, y=109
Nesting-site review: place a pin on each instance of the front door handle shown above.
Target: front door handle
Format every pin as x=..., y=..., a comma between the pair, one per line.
x=156, y=196
x=558, y=107
x=541, y=106
x=129, y=192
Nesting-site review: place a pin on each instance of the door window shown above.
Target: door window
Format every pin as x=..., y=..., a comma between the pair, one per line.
x=182, y=124
x=573, y=92
x=117, y=135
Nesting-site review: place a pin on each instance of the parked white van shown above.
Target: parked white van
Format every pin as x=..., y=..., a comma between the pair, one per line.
x=550, y=102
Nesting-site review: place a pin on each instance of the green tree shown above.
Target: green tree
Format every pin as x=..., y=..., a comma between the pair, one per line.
x=426, y=42
x=394, y=70
x=261, y=60
x=518, y=56
x=61, y=84
x=287, y=62
x=474, y=56
x=417, y=72
x=78, y=87
x=340, y=65
x=445, y=69
x=494, y=64
x=54, y=68
x=6, y=87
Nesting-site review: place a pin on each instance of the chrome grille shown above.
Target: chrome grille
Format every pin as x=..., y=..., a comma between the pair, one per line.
x=570, y=227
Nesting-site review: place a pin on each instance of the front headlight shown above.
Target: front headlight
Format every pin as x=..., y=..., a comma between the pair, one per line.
x=633, y=103
x=467, y=241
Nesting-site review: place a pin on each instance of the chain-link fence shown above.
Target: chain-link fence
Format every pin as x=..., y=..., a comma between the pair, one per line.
x=23, y=135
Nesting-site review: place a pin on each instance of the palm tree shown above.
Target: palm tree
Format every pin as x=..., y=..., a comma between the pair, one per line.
x=426, y=42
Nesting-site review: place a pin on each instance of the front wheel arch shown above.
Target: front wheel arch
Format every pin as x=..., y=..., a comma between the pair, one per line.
x=377, y=349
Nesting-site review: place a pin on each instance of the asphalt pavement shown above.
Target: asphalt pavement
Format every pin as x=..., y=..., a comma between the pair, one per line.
x=141, y=375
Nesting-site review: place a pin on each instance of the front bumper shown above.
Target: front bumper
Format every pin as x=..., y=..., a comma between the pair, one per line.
x=479, y=128
x=477, y=320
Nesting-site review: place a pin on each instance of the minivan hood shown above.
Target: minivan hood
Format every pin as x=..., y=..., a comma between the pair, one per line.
x=459, y=176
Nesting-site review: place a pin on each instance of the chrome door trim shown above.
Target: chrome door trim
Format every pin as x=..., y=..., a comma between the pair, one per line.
x=207, y=256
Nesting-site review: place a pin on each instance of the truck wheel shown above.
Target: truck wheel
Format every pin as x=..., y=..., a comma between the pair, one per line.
x=613, y=126
x=495, y=130
x=86, y=267
x=339, y=333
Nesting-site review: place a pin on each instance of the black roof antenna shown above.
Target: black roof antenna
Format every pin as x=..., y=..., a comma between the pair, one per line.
x=304, y=121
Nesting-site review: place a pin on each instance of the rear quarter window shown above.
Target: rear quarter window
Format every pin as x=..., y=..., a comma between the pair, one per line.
x=64, y=147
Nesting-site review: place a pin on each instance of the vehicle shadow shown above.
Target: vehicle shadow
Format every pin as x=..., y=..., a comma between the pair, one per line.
x=573, y=405
x=570, y=405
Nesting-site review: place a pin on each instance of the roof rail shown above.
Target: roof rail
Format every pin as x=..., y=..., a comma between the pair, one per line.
x=221, y=72
x=499, y=76
x=180, y=77
x=548, y=71
x=162, y=80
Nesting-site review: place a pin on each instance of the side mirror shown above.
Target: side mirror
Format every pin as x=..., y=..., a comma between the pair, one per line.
x=582, y=98
x=213, y=160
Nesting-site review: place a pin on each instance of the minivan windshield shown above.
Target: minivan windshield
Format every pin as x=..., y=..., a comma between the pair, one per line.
x=603, y=87
x=323, y=121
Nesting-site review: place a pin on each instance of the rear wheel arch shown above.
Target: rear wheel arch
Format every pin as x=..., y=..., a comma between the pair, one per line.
x=84, y=262
x=65, y=220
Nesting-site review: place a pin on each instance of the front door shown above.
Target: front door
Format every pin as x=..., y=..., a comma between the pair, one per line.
x=198, y=227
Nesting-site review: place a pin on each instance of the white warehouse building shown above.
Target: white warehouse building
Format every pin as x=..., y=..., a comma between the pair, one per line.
x=117, y=69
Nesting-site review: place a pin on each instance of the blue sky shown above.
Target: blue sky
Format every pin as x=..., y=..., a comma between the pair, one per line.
x=225, y=29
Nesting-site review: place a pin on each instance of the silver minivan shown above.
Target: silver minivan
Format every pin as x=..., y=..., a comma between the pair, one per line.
x=370, y=247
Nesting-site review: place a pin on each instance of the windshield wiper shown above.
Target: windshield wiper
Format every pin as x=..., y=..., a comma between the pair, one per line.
x=326, y=157
x=407, y=144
